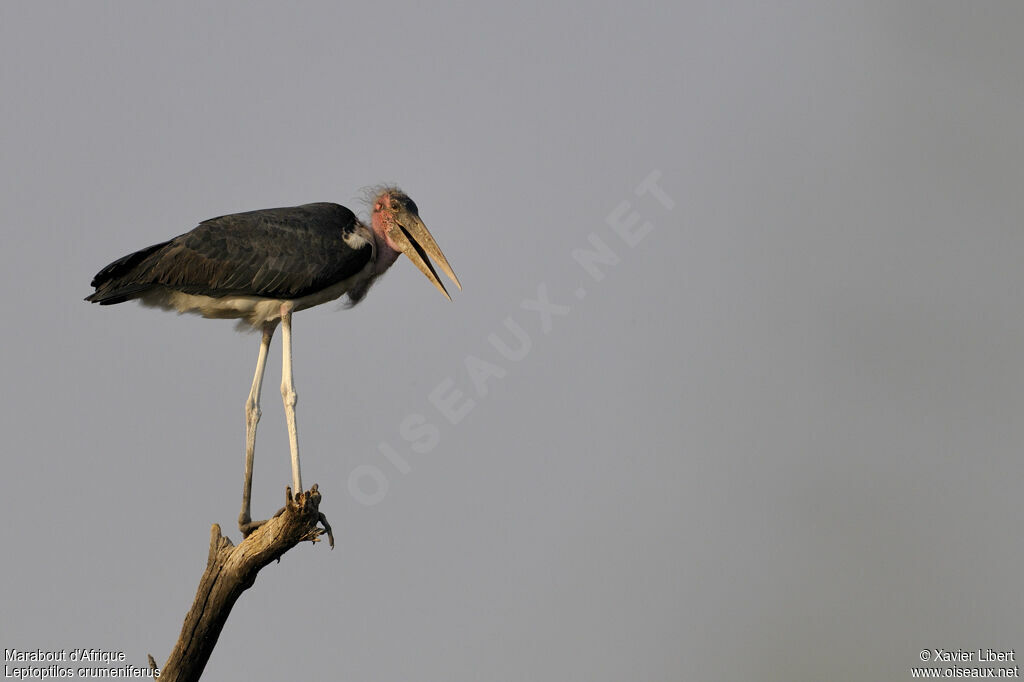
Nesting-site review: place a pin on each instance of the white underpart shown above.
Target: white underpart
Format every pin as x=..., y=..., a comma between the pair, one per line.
x=288, y=394
x=252, y=418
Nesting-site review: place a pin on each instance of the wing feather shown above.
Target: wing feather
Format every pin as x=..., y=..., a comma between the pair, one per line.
x=274, y=253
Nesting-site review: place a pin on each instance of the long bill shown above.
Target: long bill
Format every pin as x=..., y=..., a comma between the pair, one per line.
x=417, y=243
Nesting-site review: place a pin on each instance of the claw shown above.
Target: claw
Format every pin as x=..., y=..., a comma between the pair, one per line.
x=327, y=529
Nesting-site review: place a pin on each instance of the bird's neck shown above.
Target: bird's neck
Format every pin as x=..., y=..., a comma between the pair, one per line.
x=386, y=256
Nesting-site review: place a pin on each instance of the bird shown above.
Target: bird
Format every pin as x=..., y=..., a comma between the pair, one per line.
x=260, y=267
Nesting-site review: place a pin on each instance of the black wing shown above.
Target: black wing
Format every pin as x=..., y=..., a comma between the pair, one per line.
x=277, y=253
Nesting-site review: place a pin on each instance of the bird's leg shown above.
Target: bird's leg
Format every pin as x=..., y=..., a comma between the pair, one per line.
x=288, y=393
x=252, y=418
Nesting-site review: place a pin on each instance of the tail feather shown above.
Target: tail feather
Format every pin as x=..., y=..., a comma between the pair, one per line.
x=123, y=279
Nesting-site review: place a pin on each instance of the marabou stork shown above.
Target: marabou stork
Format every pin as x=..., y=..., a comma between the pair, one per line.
x=261, y=266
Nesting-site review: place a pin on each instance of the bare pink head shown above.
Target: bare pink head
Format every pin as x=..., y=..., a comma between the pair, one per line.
x=397, y=228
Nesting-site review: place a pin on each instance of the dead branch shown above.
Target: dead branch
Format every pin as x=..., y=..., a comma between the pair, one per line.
x=231, y=570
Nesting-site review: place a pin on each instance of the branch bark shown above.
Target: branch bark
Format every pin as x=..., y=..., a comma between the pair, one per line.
x=231, y=570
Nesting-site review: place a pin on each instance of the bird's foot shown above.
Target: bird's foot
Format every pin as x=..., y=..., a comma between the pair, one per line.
x=310, y=500
x=327, y=529
x=247, y=525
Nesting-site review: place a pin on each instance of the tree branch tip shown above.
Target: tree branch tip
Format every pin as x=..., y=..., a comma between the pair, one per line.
x=217, y=543
x=215, y=538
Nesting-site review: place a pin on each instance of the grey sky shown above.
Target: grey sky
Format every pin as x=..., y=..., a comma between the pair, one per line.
x=779, y=440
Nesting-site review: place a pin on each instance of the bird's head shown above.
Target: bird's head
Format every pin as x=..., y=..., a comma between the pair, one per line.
x=396, y=221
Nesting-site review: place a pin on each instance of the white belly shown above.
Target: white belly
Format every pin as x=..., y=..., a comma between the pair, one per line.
x=252, y=310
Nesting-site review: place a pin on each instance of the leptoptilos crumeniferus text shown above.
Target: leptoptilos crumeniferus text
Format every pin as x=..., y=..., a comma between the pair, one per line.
x=261, y=266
